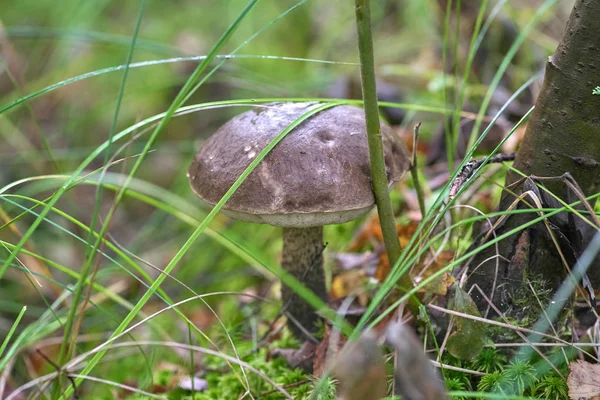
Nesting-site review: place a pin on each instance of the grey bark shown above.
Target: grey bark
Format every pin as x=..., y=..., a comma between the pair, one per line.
x=562, y=136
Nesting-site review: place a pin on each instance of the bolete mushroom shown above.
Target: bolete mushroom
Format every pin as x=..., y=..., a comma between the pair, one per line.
x=319, y=174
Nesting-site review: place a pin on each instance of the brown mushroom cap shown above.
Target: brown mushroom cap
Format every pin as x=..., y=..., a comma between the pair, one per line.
x=318, y=174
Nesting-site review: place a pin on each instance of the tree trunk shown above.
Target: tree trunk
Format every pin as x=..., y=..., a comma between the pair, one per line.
x=563, y=136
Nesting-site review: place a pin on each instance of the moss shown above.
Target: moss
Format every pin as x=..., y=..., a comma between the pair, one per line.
x=230, y=385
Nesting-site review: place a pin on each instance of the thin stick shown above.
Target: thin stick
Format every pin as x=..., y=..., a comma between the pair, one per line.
x=380, y=184
x=288, y=386
x=471, y=167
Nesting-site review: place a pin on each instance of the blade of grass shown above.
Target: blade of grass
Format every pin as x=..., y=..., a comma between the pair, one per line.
x=543, y=8
x=467, y=72
x=261, y=30
x=306, y=294
x=38, y=32
x=70, y=335
x=403, y=263
x=12, y=330
x=445, y=46
x=187, y=89
x=141, y=64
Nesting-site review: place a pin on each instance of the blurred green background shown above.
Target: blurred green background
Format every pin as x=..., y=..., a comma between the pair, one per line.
x=43, y=43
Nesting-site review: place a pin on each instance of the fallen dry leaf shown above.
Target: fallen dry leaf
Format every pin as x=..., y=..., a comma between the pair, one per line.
x=438, y=285
x=370, y=233
x=415, y=377
x=348, y=282
x=327, y=349
x=584, y=381
x=360, y=369
x=384, y=268
x=442, y=283
x=298, y=358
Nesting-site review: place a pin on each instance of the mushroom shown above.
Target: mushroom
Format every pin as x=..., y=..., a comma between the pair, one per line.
x=319, y=174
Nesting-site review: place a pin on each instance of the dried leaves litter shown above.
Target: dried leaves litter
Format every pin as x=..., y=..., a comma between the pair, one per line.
x=584, y=381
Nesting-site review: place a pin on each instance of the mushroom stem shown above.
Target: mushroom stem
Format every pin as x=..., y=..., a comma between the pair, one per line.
x=302, y=257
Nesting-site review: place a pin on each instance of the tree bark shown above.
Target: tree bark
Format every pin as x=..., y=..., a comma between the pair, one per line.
x=562, y=136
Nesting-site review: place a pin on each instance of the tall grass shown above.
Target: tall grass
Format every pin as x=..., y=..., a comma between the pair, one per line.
x=49, y=206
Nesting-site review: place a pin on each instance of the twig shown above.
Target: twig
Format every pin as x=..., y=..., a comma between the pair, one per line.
x=59, y=371
x=469, y=169
x=290, y=385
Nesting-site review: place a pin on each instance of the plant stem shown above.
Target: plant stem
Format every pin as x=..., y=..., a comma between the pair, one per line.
x=380, y=183
x=414, y=171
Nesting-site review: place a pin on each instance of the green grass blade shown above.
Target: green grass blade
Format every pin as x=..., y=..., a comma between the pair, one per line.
x=38, y=32
x=504, y=65
x=76, y=174
x=402, y=264
x=70, y=336
x=150, y=63
x=287, y=279
x=12, y=331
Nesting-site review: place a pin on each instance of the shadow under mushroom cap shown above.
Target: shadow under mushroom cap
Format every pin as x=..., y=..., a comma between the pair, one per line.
x=318, y=174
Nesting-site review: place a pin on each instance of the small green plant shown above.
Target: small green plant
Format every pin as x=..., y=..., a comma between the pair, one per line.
x=456, y=385
x=521, y=374
x=552, y=387
x=489, y=360
x=326, y=391
x=596, y=90
x=230, y=386
x=496, y=382
x=516, y=378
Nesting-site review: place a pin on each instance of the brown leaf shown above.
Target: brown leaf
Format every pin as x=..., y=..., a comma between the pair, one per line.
x=298, y=358
x=584, y=380
x=384, y=268
x=405, y=233
x=326, y=351
x=441, y=284
x=415, y=377
x=370, y=232
x=347, y=283
x=438, y=285
x=360, y=369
